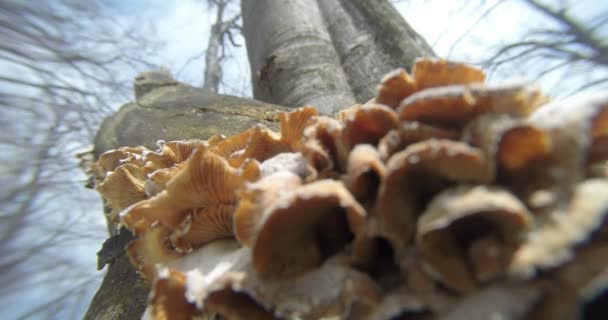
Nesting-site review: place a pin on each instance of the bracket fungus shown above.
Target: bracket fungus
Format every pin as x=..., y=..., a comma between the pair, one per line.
x=438, y=195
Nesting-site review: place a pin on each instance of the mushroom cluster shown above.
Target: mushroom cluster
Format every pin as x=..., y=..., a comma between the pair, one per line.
x=442, y=197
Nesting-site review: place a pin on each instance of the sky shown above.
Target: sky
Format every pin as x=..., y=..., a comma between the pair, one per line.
x=460, y=30
x=184, y=25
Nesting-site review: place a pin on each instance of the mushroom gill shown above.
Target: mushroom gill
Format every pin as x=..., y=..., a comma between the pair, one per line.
x=206, y=181
x=123, y=187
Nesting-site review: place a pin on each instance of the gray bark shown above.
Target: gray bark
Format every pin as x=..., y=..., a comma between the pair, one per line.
x=327, y=53
x=215, y=48
x=293, y=61
x=213, y=69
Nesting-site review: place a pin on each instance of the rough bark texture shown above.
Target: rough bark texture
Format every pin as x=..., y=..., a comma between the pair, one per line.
x=168, y=110
x=293, y=61
x=327, y=53
x=369, y=38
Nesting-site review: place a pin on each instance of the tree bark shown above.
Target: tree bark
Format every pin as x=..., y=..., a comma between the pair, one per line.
x=328, y=54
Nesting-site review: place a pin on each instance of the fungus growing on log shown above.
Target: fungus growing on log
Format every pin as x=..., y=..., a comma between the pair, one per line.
x=438, y=195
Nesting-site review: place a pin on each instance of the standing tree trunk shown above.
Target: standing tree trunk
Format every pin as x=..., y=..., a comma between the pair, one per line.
x=328, y=54
x=220, y=31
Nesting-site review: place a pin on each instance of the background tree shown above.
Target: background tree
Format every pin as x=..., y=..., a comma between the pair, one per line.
x=222, y=31
x=559, y=44
x=565, y=45
x=65, y=65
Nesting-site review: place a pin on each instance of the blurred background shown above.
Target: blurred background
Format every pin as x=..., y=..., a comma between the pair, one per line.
x=67, y=64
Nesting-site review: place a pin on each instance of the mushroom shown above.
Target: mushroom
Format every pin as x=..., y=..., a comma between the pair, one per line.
x=264, y=143
x=520, y=152
x=232, y=145
x=322, y=146
x=554, y=241
x=122, y=188
x=167, y=297
x=112, y=159
x=206, y=181
x=364, y=172
x=334, y=290
x=394, y=87
x=410, y=132
x=157, y=180
x=313, y=222
x=578, y=128
x=173, y=152
x=432, y=199
x=151, y=247
x=454, y=106
x=414, y=175
x=229, y=304
x=572, y=289
x=366, y=123
x=467, y=235
x=429, y=73
x=255, y=198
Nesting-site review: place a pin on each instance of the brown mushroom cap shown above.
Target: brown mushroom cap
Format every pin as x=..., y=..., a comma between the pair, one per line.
x=366, y=124
x=293, y=125
x=304, y=227
x=234, y=305
x=322, y=146
x=255, y=198
x=108, y=161
x=394, y=87
x=415, y=174
x=579, y=128
x=333, y=290
x=167, y=300
x=151, y=247
x=112, y=159
x=553, y=243
x=410, y=132
x=364, y=172
x=429, y=72
x=123, y=187
x=264, y=143
x=468, y=234
x=453, y=106
x=512, y=143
